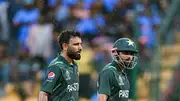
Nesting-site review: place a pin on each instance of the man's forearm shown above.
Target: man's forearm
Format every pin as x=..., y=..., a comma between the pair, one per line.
x=43, y=96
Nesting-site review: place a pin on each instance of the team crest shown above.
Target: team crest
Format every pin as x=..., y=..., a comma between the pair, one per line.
x=130, y=42
x=120, y=81
x=67, y=75
x=51, y=75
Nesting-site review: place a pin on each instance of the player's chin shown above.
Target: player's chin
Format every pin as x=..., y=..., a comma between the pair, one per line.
x=77, y=57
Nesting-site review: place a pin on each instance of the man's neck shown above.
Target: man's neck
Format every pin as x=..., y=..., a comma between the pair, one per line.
x=121, y=68
x=70, y=61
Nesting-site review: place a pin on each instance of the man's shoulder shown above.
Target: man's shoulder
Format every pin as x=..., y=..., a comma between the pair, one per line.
x=109, y=67
x=57, y=63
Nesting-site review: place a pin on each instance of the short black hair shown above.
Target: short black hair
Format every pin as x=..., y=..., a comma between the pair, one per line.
x=65, y=36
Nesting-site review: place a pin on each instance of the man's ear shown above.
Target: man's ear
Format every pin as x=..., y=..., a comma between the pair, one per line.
x=114, y=51
x=64, y=46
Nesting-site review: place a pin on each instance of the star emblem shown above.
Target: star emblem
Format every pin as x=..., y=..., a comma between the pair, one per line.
x=130, y=43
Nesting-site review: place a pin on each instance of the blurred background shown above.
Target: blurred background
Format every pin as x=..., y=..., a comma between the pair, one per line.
x=28, y=42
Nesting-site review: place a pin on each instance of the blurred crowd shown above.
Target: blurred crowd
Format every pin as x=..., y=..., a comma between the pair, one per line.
x=29, y=30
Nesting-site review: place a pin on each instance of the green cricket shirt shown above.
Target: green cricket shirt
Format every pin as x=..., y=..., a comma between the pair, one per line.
x=62, y=80
x=114, y=83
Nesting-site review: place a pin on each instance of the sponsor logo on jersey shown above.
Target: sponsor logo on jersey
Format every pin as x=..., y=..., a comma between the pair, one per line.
x=124, y=93
x=67, y=75
x=120, y=81
x=51, y=75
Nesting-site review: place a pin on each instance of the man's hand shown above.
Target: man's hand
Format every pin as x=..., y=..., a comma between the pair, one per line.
x=43, y=96
x=102, y=97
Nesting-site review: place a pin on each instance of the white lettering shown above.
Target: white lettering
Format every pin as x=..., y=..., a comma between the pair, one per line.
x=124, y=93
x=73, y=87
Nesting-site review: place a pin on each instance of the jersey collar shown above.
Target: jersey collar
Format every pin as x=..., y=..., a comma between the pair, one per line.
x=114, y=63
x=64, y=60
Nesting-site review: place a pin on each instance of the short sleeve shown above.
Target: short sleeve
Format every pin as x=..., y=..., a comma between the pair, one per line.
x=105, y=82
x=52, y=76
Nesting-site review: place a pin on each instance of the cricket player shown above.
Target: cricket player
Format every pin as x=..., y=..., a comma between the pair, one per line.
x=113, y=84
x=62, y=79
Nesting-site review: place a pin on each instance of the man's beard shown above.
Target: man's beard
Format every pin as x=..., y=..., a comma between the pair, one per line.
x=124, y=63
x=73, y=55
x=127, y=64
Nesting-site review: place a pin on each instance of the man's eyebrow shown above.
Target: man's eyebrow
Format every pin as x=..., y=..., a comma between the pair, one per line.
x=77, y=43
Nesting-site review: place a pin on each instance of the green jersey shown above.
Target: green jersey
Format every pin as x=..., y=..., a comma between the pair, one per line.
x=114, y=83
x=62, y=81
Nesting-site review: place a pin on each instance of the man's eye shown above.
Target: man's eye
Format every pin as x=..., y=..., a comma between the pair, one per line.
x=76, y=44
x=127, y=53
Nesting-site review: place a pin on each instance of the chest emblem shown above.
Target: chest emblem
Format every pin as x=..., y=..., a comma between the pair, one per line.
x=120, y=81
x=67, y=75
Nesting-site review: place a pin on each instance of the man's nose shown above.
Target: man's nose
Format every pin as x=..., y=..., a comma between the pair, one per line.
x=130, y=57
x=80, y=47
